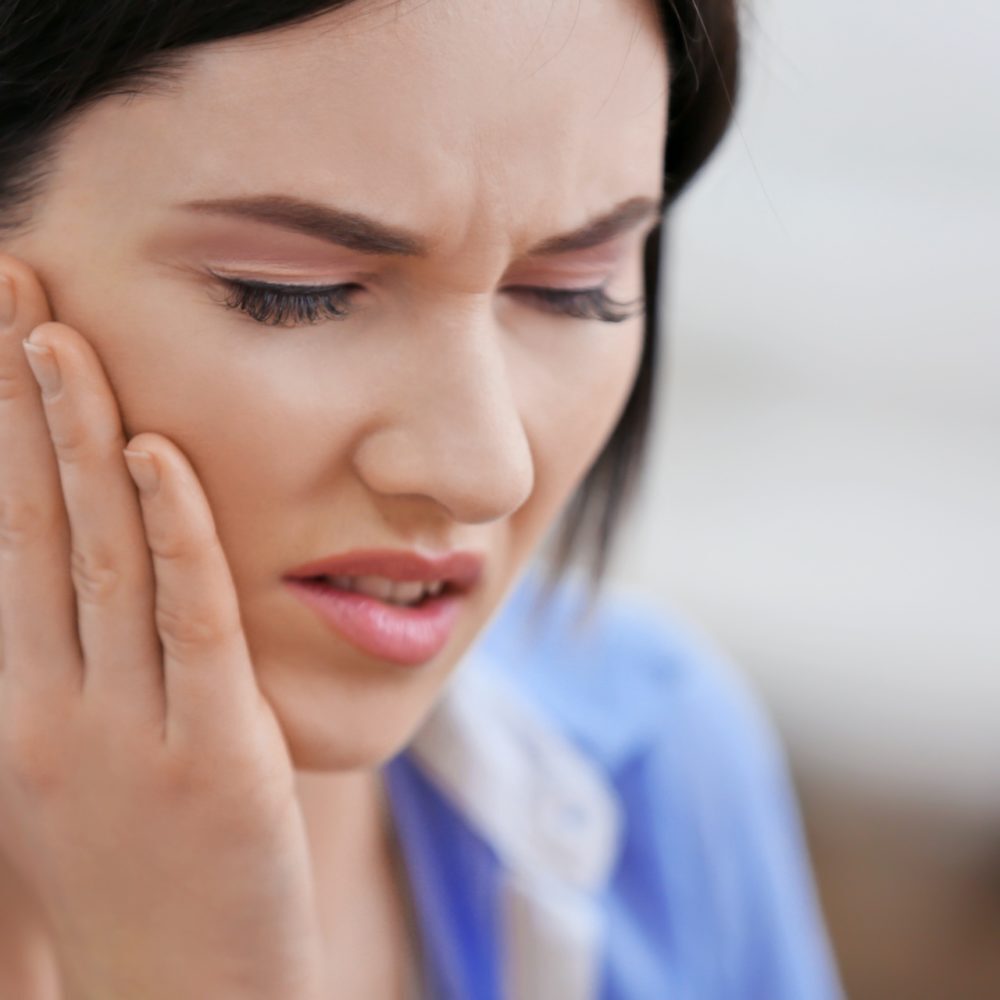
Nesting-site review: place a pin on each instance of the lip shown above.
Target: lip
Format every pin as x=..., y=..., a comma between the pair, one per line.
x=407, y=636
x=461, y=569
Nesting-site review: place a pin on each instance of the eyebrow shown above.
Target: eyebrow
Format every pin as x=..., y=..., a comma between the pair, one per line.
x=367, y=235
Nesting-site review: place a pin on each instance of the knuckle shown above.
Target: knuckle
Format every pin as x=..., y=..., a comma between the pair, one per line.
x=21, y=523
x=172, y=539
x=237, y=789
x=72, y=443
x=182, y=776
x=181, y=548
x=182, y=631
x=95, y=578
x=168, y=546
x=29, y=757
x=77, y=440
x=177, y=776
x=12, y=385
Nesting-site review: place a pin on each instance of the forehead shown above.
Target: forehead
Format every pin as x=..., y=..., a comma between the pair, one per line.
x=433, y=112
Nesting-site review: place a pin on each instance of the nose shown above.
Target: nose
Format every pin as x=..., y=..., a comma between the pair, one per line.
x=451, y=428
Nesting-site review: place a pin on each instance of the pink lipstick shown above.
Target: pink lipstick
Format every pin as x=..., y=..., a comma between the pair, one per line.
x=374, y=599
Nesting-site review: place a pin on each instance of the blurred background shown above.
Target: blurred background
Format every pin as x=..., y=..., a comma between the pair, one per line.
x=824, y=500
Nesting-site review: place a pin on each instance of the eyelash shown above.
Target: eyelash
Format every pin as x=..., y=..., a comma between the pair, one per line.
x=275, y=305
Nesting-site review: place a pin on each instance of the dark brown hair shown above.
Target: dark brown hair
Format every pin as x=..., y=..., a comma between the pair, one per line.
x=57, y=57
x=703, y=49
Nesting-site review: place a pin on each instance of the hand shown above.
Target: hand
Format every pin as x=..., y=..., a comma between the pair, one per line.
x=147, y=796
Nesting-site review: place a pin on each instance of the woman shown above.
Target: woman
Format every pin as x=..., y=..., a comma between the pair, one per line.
x=360, y=286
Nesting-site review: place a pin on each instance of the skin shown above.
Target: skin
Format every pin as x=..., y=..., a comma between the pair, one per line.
x=447, y=412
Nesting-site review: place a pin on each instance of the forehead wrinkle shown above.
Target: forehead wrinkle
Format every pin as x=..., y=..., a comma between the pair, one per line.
x=369, y=235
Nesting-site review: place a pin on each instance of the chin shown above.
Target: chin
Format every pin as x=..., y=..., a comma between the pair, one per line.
x=348, y=715
x=345, y=733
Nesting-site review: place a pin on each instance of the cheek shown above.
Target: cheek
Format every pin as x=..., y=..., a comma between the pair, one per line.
x=252, y=421
x=263, y=429
x=233, y=398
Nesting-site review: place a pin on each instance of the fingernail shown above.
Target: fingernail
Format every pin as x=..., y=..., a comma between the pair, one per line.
x=42, y=362
x=142, y=468
x=8, y=304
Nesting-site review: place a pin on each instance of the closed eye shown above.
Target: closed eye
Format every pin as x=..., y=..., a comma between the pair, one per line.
x=274, y=304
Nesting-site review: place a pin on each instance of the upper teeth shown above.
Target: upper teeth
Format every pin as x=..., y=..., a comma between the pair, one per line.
x=395, y=592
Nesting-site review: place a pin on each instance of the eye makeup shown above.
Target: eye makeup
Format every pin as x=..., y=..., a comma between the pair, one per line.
x=273, y=304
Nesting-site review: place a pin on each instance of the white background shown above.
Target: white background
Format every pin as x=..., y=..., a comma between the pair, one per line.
x=824, y=494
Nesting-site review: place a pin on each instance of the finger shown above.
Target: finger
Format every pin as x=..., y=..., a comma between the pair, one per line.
x=206, y=664
x=109, y=561
x=37, y=602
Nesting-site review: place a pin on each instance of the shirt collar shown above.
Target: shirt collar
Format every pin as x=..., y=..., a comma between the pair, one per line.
x=519, y=781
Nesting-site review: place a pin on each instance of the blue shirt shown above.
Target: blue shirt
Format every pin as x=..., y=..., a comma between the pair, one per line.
x=602, y=811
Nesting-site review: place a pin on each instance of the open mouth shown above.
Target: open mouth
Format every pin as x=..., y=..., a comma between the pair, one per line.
x=411, y=595
x=408, y=623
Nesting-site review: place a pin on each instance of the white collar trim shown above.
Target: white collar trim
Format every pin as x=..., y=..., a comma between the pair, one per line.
x=531, y=792
x=548, y=811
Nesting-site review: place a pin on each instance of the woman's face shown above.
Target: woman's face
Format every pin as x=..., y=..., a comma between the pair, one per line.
x=449, y=410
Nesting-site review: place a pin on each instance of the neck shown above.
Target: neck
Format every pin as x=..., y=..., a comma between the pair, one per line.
x=361, y=882
x=348, y=824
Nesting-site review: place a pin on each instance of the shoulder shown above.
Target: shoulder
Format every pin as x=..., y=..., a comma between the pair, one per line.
x=712, y=872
